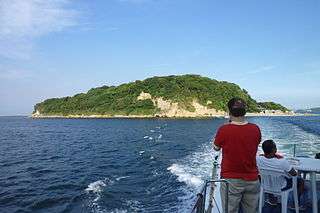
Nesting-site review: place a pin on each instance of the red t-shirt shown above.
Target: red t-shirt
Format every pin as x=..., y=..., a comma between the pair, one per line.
x=239, y=145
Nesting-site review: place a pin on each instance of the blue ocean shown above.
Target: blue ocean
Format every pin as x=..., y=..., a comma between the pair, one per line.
x=121, y=165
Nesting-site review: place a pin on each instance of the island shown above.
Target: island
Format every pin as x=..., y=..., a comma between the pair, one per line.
x=310, y=111
x=175, y=96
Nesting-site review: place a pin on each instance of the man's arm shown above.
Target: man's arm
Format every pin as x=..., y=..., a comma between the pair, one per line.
x=218, y=140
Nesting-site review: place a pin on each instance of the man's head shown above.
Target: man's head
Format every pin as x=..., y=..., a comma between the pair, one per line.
x=237, y=107
x=269, y=147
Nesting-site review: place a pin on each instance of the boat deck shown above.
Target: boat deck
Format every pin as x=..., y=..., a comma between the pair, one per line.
x=305, y=199
x=216, y=207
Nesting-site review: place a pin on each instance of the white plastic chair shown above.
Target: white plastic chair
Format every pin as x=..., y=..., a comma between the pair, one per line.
x=271, y=182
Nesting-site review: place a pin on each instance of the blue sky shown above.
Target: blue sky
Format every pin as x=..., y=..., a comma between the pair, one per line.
x=54, y=48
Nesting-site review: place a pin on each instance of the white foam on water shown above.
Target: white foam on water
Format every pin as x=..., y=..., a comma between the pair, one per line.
x=96, y=188
x=184, y=176
x=160, y=136
x=151, y=130
x=155, y=173
x=150, y=138
x=193, y=170
x=145, y=137
x=134, y=205
x=119, y=211
x=122, y=177
x=141, y=152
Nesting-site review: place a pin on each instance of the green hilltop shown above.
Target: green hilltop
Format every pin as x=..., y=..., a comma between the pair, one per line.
x=123, y=99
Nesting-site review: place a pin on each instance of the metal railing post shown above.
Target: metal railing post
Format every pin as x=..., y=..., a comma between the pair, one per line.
x=204, y=197
x=227, y=197
x=200, y=205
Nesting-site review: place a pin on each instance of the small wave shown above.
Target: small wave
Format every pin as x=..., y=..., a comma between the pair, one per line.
x=48, y=203
x=96, y=188
x=151, y=130
x=148, y=137
x=122, y=177
x=54, y=157
x=155, y=173
x=141, y=152
x=42, y=172
x=160, y=136
x=62, y=186
x=134, y=205
x=119, y=211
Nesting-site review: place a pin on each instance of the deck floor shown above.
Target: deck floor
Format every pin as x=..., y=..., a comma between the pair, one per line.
x=304, y=199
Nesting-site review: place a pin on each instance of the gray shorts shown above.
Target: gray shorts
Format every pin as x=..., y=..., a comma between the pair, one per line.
x=241, y=192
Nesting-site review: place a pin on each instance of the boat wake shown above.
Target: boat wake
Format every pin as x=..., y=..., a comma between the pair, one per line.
x=184, y=175
x=192, y=171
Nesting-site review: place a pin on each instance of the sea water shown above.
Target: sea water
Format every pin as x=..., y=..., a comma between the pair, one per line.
x=121, y=165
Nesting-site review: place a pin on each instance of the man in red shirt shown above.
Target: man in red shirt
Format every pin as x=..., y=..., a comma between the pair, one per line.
x=239, y=142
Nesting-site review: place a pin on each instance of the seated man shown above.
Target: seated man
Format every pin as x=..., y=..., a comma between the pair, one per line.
x=274, y=161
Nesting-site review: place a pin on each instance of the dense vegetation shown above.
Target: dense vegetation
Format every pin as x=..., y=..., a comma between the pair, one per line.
x=122, y=99
x=272, y=106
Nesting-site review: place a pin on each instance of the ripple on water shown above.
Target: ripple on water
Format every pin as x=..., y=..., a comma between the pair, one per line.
x=47, y=203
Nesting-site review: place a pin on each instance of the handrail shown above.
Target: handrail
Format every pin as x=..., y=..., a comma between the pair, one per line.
x=200, y=204
x=295, y=146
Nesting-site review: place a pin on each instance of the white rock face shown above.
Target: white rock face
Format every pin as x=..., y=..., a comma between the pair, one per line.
x=37, y=113
x=144, y=96
x=172, y=109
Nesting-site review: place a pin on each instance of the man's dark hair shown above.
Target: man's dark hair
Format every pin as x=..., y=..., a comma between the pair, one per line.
x=268, y=146
x=237, y=107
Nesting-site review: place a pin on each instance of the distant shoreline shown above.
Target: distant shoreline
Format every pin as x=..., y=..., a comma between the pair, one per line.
x=121, y=116
x=164, y=117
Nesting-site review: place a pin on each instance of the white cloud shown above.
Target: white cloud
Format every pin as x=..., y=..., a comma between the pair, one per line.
x=21, y=21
